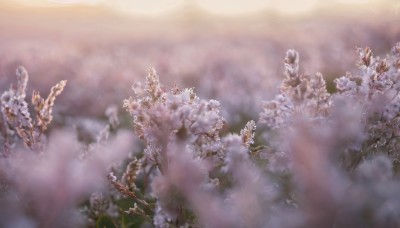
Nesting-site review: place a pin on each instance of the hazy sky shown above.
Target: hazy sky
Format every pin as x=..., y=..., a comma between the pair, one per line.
x=224, y=7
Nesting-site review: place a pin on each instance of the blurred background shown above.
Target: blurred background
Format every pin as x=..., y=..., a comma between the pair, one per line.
x=229, y=50
x=216, y=7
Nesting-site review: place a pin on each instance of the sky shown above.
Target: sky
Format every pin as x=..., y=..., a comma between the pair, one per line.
x=222, y=7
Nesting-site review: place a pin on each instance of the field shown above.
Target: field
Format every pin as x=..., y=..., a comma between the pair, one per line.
x=199, y=120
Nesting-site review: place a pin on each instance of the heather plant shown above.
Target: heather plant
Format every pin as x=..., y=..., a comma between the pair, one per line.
x=164, y=118
x=44, y=182
x=186, y=161
x=342, y=157
x=376, y=89
x=373, y=94
x=16, y=118
x=301, y=94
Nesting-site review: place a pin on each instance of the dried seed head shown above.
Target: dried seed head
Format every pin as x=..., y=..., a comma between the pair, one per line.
x=153, y=85
x=22, y=81
x=247, y=134
x=382, y=67
x=366, y=56
x=44, y=108
x=291, y=63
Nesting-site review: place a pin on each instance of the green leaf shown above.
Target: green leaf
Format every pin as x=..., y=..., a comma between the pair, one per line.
x=105, y=222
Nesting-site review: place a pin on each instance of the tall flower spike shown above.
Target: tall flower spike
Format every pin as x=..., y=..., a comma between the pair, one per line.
x=298, y=93
x=366, y=56
x=44, y=108
x=131, y=173
x=291, y=63
x=22, y=77
x=13, y=105
x=293, y=79
x=15, y=112
x=247, y=134
x=153, y=86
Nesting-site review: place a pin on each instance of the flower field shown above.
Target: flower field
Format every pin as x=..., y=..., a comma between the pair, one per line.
x=107, y=121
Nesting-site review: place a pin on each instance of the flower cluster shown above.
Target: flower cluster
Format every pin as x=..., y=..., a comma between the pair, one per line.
x=46, y=188
x=301, y=94
x=16, y=116
x=339, y=165
x=163, y=116
x=189, y=159
x=376, y=89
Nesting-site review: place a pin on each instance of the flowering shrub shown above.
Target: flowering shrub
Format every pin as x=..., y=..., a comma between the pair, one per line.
x=186, y=155
x=321, y=158
x=334, y=141
x=43, y=183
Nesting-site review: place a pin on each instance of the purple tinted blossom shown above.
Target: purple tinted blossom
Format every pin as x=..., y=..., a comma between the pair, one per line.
x=276, y=112
x=301, y=94
x=173, y=114
x=345, y=85
x=291, y=63
x=247, y=134
x=16, y=116
x=392, y=109
x=205, y=118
